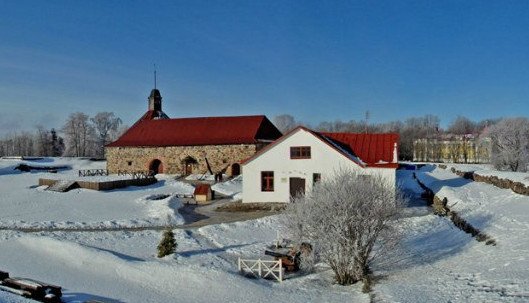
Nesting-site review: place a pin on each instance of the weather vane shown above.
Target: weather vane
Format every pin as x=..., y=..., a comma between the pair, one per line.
x=154, y=76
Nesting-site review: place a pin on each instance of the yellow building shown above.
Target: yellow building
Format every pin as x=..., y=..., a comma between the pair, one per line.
x=452, y=149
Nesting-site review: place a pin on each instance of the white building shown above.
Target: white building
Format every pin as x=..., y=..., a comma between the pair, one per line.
x=294, y=162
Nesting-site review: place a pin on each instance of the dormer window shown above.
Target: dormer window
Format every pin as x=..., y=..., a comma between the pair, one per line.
x=300, y=152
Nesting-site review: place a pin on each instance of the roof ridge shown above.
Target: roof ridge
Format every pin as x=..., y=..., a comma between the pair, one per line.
x=216, y=117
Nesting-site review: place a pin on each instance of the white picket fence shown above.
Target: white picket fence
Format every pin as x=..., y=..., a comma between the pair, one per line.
x=262, y=268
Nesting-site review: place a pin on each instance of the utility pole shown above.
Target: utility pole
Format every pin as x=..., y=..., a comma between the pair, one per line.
x=366, y=120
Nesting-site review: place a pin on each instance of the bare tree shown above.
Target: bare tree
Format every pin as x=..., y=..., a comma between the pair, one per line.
x=106, y=125
x=410, y=130
x=285, y=123
x=462, y=126
x=510, y=144
x=79, y=135
x=43, y=144
x=349, y=219
x=17, y=144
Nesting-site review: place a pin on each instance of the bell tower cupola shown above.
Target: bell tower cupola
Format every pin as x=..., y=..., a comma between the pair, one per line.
x=155, y=100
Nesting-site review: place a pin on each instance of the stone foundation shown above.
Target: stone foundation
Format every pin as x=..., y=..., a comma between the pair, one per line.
x=173, y=158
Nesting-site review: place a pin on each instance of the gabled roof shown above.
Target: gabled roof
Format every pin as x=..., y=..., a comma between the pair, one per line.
x=366, y=150
x=198, y=131
x=376, y=150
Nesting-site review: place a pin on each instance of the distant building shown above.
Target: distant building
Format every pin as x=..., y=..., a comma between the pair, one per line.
x=295, y=162
x=186, y=146
x=452, y=149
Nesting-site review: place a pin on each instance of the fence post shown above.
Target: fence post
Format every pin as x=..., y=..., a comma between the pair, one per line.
x=239, y=263
x=259, y=267
x=280, y=270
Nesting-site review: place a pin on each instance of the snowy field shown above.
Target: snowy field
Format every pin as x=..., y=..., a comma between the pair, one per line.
x=437, y=262
x=444, y=264
x=23, y=204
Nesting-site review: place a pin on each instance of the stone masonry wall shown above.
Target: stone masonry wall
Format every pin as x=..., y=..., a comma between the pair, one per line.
x=220, y=157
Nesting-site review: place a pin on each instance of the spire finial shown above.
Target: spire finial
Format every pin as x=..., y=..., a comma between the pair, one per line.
x=154, y=76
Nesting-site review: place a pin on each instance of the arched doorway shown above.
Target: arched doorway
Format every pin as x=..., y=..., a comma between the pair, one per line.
x=235, y=169
x=189, y=164
x=156, y=167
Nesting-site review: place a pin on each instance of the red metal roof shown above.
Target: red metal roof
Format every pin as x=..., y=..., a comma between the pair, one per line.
x=198, y=131
x=376, y=150
x=202, y=189
x=371, y=150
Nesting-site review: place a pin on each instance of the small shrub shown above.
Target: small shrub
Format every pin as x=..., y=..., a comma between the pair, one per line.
x=168, y=244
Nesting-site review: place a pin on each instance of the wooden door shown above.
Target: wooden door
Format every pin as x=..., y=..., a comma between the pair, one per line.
x=188, y=168
x=297, y=187
x=235, y=169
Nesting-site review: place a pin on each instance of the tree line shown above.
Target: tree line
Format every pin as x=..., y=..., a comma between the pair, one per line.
x=85, y=136
x=509, y=137
x=80, y=136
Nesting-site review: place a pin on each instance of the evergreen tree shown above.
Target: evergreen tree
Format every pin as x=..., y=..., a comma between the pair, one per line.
x=168, y=244
x=57, y=144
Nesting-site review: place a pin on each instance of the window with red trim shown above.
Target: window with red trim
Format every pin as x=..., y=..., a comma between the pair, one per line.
x=267, y=181
x=300, y=152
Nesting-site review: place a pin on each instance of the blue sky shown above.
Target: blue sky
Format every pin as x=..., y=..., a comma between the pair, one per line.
x=315, y=60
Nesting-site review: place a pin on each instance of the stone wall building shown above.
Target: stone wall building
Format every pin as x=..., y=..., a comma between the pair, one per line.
x=186, y=146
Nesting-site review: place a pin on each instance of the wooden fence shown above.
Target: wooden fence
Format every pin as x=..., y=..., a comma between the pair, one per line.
x=262, y=268
x=92, y=172
x=137, y=174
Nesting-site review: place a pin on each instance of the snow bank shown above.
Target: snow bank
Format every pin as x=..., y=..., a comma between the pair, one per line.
x=203, y=177
x=181, y=188
x=483, y=205
x=513, y=176
x=198, y=272
x=160, y=209
x=443, y=264
x=229, y=188
x=484, y=170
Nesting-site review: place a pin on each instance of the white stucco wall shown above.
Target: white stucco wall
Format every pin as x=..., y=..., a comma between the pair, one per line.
x=324, y=160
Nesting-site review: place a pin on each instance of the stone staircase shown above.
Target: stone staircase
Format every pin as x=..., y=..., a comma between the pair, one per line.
x=63, y=186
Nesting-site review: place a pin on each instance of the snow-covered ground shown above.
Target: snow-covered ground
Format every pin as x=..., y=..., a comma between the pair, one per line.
x=443, y=264
x=437, y=262
x=203, y=177
x=23, y=204
x=488, y=170
x=231, y=188
x=122, y=267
